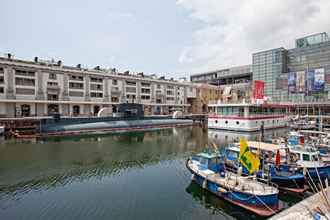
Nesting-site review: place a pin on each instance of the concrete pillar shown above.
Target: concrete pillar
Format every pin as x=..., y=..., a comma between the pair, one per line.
x=106, y=95
x=65, y=109
x=138, y=92
x=152, y=90
x=10, y=110
x=87, y=110
x=176, y=98
x=9, y=73
x=123, y=92
x=39, y=84
x=87, y=85
x=40, y=109
x=65, y=93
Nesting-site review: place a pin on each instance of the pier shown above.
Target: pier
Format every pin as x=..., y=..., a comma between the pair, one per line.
x=309, y=208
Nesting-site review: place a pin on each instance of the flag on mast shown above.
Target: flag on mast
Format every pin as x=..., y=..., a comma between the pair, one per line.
x=250, y=161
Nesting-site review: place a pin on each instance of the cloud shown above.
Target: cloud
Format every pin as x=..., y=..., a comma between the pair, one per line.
x=232, y=30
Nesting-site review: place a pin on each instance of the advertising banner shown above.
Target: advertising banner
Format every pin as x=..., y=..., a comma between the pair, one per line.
x=319, y=80
x=292, y=82
x=258, y=90
x=300, y=82
x=310, y=81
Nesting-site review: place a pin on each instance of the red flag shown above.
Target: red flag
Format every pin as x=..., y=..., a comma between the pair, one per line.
x=278, y=158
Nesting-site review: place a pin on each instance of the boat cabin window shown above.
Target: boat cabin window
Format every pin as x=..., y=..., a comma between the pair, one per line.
x=214, y=161
x=203, y=160
x=306, y=157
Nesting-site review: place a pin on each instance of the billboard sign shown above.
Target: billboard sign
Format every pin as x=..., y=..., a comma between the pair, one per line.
x=258, y=90
x=300, y=82
x=292, y=82
x=319, y=80
x=310, y=80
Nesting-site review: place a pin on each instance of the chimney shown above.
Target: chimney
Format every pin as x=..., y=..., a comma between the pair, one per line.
x=36, y=59
x=59, y=63
x=9, y=55
x=97, y=68
x=79, y=66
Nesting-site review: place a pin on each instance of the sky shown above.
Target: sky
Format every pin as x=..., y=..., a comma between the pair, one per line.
x=174, y=38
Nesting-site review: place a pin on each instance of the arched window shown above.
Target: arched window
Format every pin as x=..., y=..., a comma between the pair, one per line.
x=25, y=110
x=76, y=110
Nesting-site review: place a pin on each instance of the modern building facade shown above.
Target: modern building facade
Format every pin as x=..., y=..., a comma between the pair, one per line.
x=290, y=74
x=41, y=88
x=234, y=75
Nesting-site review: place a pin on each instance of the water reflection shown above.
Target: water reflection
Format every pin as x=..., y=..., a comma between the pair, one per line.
x=139, y=175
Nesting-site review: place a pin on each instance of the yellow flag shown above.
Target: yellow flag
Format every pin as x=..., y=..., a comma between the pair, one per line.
x=247, y=158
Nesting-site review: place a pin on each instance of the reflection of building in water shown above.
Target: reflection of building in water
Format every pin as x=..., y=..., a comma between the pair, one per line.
x=226, y=137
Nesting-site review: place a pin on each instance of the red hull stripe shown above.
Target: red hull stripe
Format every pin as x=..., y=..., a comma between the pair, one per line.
x=245, y=118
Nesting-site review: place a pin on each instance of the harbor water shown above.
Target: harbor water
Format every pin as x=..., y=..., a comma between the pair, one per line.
x=138, y=175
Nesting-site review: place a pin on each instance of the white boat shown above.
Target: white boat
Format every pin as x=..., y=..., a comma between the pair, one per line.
x=2, y=130
x=248, y=117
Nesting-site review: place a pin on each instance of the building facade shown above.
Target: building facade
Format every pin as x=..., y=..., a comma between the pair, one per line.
x=41, y=88
x=285, y=71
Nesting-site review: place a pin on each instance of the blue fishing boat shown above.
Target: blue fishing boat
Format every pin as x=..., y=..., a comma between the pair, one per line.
x=243, y=191
x=309, y=162
x=286, y=176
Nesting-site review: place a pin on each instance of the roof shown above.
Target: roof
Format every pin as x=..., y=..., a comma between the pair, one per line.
x=264, y=146
x=207, y=155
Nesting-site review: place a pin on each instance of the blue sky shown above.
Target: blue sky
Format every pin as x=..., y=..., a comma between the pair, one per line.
x=172, y=37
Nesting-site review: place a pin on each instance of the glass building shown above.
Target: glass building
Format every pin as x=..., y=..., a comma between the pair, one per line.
x=286, y=71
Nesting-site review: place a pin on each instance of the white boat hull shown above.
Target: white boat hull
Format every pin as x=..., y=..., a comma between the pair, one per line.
x=247, y=123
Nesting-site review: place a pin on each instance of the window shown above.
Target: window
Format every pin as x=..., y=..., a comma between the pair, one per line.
x=74, y=77
x=145, y=84
x=52, y=83
x=226, y=122
x=21, y=91
x=216, y=121
x=130, y=83
x=170, y=98
x=76, y=85
x=96, y=79
x=24, y=81
x=158, y=86
x=145, y=97
x=96, y=87
x=96, y=95
x=1, y=79
x=114, y=82
x=143, y=90
x=306, y=157
x=131, y=89
x=52, y=76
x=237, y=122
x=2, y=90
x=114, y=99
x=24, y=73
x=76, y=94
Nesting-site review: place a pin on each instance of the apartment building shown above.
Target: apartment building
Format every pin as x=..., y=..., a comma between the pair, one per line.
x=40, y=88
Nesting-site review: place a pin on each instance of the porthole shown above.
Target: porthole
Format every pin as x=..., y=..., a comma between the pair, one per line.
x=226, y=122
x=216, y=121
x=237, y=122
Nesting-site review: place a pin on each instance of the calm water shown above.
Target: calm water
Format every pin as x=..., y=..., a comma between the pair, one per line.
x=124, y=176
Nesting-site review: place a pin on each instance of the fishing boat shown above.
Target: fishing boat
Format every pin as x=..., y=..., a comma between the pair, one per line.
x=285, y=176
x=243, y=191
x=247, y=116
x=309, y=162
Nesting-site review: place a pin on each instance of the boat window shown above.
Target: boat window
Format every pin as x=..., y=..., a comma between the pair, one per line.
x=314, y=158
x=306, y=157
x=237, y=122
x=203, y=160
x=216, y=121
x=226, y=122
